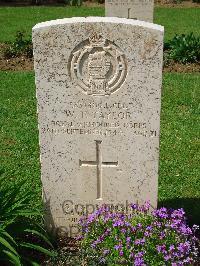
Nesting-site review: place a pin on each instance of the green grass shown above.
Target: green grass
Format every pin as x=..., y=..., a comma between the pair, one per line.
x=179, y=180
x=13, y=19
x=179, y=171
x=178, y=20
x=19, y=153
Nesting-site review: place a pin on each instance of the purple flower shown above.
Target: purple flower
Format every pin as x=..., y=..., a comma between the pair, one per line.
x=147, y=206
x=118, y=247
x=132, y=255
x=100, y=239
x=139, y=254
x=171, y=248
x=107, y=231
x=149, y=228
x=175, y=254
x=160, y=213
x=138, y=259
x=140, y=241
x=162, y=235
x=102, y=260
x=178, y=214
x=93, y=245
x=98, y=212
x=185, y=230
x=79, y=237
x=195, y=228
x=128, y=239
x=188, y=260
x=127, y=224
x=123, y=230
x=133, y=229
x=184, y=247
x=161, y=249
x=167, y=257
x=147, y=233
x=91, y=218
x=134, y=206
x=118, y=223
x=139, y=226
x=121, y=253
x=106, y=251
x=137, y=242
x=139, y=262
x=157, y=224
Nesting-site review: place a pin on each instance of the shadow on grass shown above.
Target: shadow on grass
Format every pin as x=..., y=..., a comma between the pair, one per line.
x=190, y=205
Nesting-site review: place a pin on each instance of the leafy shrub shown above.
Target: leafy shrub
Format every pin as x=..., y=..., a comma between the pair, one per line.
x=36, y=2
x=21, y=237
x=177, y=1
x=20, y=46
x=183, y=48
x=101, y=1
x=160, y=237
x=74, y=2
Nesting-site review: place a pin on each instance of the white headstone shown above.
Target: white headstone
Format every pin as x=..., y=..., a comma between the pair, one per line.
x=133, y=9
x=99, y=93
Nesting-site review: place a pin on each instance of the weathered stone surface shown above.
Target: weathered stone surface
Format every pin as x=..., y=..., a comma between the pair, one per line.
x=98, y=90
x=133, y=9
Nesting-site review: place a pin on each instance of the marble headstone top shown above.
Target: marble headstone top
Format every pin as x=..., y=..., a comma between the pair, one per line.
x=132, y=9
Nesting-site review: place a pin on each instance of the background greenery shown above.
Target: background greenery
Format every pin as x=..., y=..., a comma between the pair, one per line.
x=179, y=170
x=13, y=19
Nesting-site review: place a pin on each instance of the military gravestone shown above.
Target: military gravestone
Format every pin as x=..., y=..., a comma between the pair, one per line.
x=98, y=91
x=133, y=9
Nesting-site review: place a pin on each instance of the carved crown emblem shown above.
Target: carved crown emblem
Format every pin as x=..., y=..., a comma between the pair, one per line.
x=96, y=40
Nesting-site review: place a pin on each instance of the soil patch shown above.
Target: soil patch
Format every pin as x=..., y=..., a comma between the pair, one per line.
x=93, y=3
x=16, y=64
x=181, y=68
x=21, y=63
x=170, y=3
x=68, y=254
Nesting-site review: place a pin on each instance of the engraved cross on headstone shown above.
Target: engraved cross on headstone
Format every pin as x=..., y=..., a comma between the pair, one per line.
x=129, y=14
x=98, y=164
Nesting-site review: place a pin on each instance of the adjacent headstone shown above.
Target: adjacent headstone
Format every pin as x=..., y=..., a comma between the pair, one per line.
x=99, y=93
x=133, y=9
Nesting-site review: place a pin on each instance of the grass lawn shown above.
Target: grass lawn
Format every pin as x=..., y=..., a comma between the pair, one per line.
x=13, y=19
x=178, y=179
x=19, y=153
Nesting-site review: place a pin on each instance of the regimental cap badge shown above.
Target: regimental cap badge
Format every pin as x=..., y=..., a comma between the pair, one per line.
x=98, y=66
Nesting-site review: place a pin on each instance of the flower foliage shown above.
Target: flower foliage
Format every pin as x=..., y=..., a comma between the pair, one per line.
x=22, y=239
x=183, y=49
x=139, y=237
x=20, y=46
